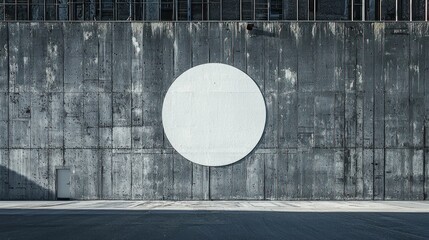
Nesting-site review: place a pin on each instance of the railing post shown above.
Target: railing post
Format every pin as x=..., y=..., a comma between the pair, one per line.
x=411, y=10
x=396, y=10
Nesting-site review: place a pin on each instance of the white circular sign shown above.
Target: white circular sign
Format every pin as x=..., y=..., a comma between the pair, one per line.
x=214, y=114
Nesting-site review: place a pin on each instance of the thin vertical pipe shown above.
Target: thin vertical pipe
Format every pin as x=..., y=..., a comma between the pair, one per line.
x=175, y=8
x=241, y=10
x=363, y=10
x=314, y=9
x=396, y=10
x=352, y=10
x=379, y=9
x=269, y=10
x=411, y=10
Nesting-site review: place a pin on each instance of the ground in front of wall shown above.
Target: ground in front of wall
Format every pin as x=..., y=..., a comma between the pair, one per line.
x=213, y=220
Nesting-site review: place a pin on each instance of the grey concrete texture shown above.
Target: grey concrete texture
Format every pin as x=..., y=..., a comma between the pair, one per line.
x=347, y=110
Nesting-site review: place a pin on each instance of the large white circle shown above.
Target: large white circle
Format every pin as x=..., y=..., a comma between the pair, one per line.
x=214, y=114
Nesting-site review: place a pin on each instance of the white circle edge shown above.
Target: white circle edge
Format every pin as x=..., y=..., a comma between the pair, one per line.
x=260, y=130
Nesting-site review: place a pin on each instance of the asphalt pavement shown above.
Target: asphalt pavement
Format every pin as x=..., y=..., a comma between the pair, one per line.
x=213, y=220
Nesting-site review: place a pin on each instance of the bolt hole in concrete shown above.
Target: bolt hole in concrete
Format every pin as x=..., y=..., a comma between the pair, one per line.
x=214, y=114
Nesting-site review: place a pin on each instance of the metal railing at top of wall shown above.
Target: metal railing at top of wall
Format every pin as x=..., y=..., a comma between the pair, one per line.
x=186, y=10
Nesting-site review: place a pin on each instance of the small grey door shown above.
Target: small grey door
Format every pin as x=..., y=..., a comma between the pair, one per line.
x=63, y=183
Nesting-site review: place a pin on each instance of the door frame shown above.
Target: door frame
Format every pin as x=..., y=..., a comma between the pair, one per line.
x=56, y=181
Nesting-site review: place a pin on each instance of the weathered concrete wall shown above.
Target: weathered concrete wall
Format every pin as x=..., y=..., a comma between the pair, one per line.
x=348, y=109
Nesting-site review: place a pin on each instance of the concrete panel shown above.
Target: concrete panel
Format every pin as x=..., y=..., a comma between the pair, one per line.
x=328, y=119
x=106, y=174
x=4, y=119
x=121, y=175
x=182, y=178
x=105, y=137
x=365, y=82
x=157, y=176
x=4, y=58
x=54, y=58
x=136, y=176
x=84, y=166
x=200, y=182
x=73, y=110
x=104, y=33
x=121, y=137
x=378, y=174
x=275, y=176
x=28, y=174
x=121, y=109
x=353, y=95
x=19, y=36
x=404, y=174
x=56, y=120
x=221, y=183
x=379, y=85
x=305, y=114
x=105, y=109
x=39, y=122
x=122, y=54
x=73, y=57
x=287, y=87
x=19, y=120
x=90, y=57
x=255, y=176
x=327, y=177
x=4, y=174
x=271, y=74
x=37, y=62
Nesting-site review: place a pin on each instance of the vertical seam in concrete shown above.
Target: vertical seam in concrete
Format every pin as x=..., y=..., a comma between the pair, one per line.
x=32, y=91
x=344, y=110
x=373, y=115
x=384, y=109
x=424, y=164
x=130, y=61
x=131, y=178
x=192, y=65
x=112, y=31
x=264, y=159
x=264, y=77
x=410, y=111
x=8, y=107
x=100, y=164
x=424, y=124
x=63, y=97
